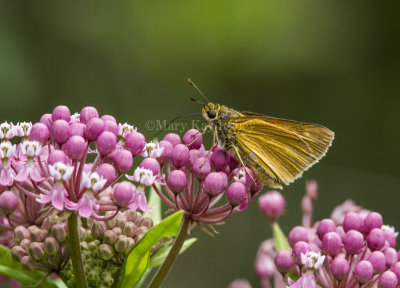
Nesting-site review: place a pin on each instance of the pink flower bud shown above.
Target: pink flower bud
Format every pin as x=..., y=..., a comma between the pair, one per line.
x=88, y=113
x=60, y=131
x=201, y=167
x=391, y=256
x=77, y=129
x=297, y=234
x=340, y=267
x=106, y=142
x=331, y=243
x=108, y=118
x=325, y=226
x=363, y=271
x=61, y=112
x=173, y=138
x=135, y=143
x=375, y=239
x=236, y=193
x=151, y=164
x=107, y=171
x=353, y=242
x=388, y=279
x=46, y=119
x=180, y=155
x=166, y=154
x=215, y=183
x=75, y=147
x=378, y=261
x=110, y=126
x=123, y=160
x=123, y=193
x=352, y=222
x=264, y=266
x=299, y=248
x=193, y=135
x=57, y=156
x=272, y=204
x=39, y=132
x=219, y=159
x=176, y=181
x=373, y=220
x=94, y=127
x=284, y=261
x=8, y=202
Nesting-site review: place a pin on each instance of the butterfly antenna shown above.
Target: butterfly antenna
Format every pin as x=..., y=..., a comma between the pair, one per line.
x=198, y=90
x=173, y=120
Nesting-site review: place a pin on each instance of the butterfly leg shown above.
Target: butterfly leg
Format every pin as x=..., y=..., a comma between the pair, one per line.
x=214, y=143
x=231, y=147
x=201, y=134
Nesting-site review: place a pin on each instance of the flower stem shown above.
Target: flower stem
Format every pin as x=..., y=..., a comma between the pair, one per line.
x=172, y=255
x=75, y=248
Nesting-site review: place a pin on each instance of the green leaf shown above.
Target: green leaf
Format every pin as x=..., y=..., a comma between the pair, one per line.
x=155, y=202
x=280, y=240
x=13, y=269
x=158, y=258
x=137, y=260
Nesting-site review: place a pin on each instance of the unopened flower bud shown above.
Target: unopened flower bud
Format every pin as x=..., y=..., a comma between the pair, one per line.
x=123, y=160
x=352, y=221
x=120, y=222
x=353, y=242
x=110, y=125
x=388, y=279
x=106, y=142
x=325, y=226
x=135, y=143
x=25, y=243
x=28, y=263
x=109, y=237
x=264, y=266
x=122, y=244
x=36, y=234
x=107, y=171
x=61, y=112
x=57, y=156
x=215, y=183
x=106, y=251
x=312, y=189
x=131, y=215
x=36, y=250
x=299, y=248
x=373, y=220
x=298, y=233
x=396, y=270
x=340, y=267
x=375, y=239
x=151, y=164
x=8, y=202
x=219, y=159
x=147, y=222
x=51, y=246
x=284, y=261
x=88, y=113
x=180, y=156
x=142, y=230
x=21, y=233
x=176, y=181
x=117, y=231
x=60, y=131
x=193, y=139
x=391, y=256
x=94, y=127
x=98, y=229
x=331, y=243
x=17, y=252
x=129, y=229
x=75, y=147
x=39, y=132
x=122, y=193
x=77, y=129
x=363, y=271
x=173, y=138
x=166, y=153
x=240, y=283
x=236, y=193
x=46, y=119
x=272, y=205
x=59, y=232
x=378, y=261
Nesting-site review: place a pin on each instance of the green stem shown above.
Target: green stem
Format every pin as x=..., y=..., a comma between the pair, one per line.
x=172, y=255
x=75, y=250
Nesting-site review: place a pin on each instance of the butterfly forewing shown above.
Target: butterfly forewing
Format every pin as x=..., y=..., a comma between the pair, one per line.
x=282, y=149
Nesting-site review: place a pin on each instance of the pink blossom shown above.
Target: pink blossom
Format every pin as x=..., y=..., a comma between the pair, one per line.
x=57, y=195
x=7, y=131
x=152, y=150
x=143, y=176
x=29, y=171
x=85, y=206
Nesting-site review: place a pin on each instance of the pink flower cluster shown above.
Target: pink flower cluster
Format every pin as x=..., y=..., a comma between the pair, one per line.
x=353, y=248
x=199, y=180
x=70, y=163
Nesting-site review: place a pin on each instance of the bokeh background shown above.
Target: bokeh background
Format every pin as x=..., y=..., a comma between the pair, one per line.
x=335, y=63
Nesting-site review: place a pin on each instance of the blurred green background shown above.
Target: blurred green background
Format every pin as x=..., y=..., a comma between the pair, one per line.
x=335, y=63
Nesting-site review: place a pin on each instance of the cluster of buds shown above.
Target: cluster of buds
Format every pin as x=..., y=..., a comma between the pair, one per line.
x=41, y=248
x=198, y=179
x=351, y=249
x=104, y=246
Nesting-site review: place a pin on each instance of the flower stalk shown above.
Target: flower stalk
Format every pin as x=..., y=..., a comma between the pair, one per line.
x=75, y=248
x=172, y=255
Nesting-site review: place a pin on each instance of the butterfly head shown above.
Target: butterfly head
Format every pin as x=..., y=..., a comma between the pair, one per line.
x=211, y=111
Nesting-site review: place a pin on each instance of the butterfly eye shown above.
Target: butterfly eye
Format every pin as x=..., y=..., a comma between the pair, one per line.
x=211, y=114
